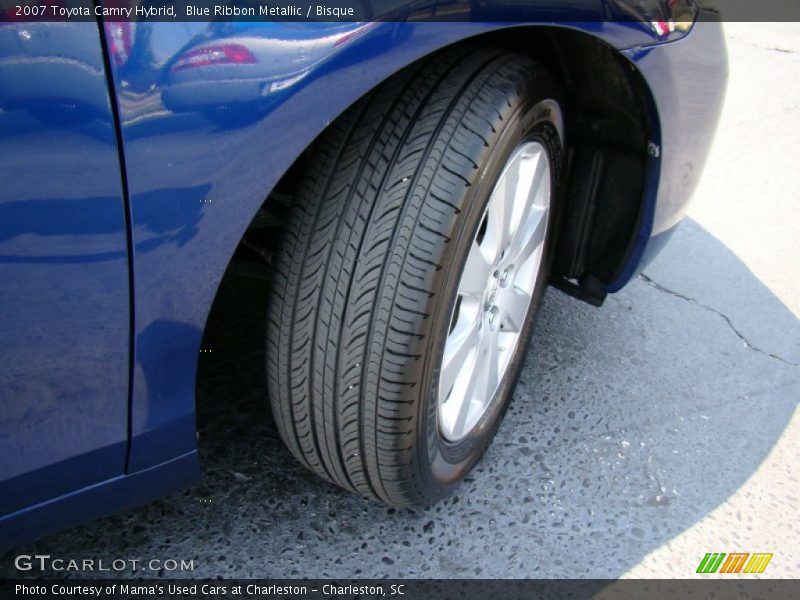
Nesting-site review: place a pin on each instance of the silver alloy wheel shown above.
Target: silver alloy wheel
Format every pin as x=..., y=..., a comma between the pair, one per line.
x=495, y=291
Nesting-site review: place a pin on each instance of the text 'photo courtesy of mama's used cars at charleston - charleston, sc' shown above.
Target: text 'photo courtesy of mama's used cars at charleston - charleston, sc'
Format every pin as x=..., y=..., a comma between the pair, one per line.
x=396, y=183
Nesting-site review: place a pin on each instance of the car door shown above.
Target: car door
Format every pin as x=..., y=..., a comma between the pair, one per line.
x=64, y=275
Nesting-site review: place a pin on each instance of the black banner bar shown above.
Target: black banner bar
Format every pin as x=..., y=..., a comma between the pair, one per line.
x=457, y=589
x=392, y=10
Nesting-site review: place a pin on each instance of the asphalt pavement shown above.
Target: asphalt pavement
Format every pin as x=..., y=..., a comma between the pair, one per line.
x=642, y=435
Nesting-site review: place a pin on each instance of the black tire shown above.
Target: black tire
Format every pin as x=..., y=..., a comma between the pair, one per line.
x=392, y=195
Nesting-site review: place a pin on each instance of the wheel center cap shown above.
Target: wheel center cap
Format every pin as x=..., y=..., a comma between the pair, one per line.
x=491, y=292
x=498, y=280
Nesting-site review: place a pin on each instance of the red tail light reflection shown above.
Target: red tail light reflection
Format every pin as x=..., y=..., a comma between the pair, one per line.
x=219, y=54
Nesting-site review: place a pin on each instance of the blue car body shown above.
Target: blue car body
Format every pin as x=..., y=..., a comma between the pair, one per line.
x=125, y=193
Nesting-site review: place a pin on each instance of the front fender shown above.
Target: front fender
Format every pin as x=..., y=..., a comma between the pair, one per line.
x=212, y=115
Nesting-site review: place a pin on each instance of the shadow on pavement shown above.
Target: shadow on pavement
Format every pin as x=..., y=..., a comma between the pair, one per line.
x=629, y=425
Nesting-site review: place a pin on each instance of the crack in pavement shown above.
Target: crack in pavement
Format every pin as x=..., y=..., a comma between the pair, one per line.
x=763, y=47
x=747, y=343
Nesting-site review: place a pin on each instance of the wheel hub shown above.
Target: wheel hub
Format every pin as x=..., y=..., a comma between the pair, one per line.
x=491, y=292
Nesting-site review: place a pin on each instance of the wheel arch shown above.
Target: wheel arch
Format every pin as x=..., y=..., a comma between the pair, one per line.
x=196, y=190
x=610, y=121
x=612, y=128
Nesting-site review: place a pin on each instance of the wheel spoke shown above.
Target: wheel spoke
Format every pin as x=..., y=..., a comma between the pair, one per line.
x=476, y=272
x=464, y=410
x=514, y=306
x=531, y=238
x=501, y=209
x=464, y=339
x=492, y=367
x=537, y=185
x=484, y=380
x=473, y=394
x=531, y=167
x=534, y=171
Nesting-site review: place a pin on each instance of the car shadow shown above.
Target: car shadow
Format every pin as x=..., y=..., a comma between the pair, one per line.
x=629, y=425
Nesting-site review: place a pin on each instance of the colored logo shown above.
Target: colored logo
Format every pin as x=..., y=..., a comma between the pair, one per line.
x=737, y=562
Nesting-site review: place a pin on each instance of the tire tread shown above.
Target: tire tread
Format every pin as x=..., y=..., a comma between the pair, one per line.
x=355, y=278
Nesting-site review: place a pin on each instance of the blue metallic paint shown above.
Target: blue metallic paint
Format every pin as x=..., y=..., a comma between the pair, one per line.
x=64, y=324
x=194, y=185
x=687, y=83
x=98, y=500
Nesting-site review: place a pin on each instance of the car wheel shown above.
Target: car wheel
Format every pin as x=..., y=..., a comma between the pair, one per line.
x=413, y=262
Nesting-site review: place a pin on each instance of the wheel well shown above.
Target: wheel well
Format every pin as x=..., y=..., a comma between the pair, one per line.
x=605, y=106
